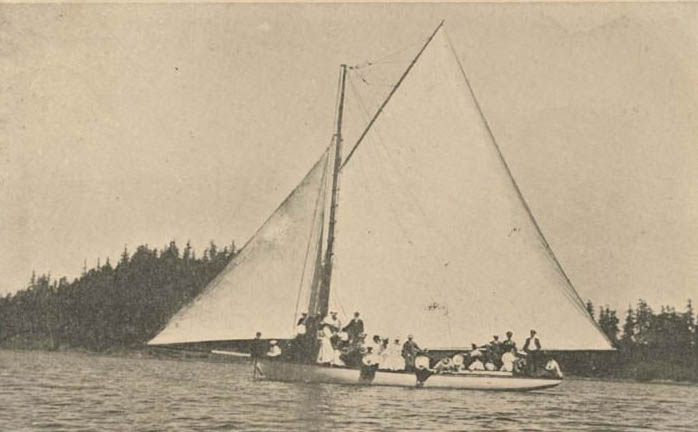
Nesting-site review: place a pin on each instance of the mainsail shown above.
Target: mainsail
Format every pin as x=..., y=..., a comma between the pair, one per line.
x=433, y=238
x=264, y=284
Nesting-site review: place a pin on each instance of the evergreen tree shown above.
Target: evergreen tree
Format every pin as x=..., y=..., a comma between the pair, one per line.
x=689, y=317
x=643, y=322
x=608, y=321
x=124, y=256
x=629, y=327
x=590, y=309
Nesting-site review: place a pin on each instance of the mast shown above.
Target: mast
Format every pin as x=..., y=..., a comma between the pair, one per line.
x=319, y=302
x=324, y=292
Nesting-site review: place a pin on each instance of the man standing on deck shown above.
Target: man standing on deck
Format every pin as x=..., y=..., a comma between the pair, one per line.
x=410, y=349
x=354, y=328
x=532, y=349
x=258, y=347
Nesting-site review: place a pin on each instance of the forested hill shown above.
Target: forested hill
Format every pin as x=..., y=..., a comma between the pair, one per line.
x=109, y=307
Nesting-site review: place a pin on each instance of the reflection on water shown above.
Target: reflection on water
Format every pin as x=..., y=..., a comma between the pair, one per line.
x=69, y=391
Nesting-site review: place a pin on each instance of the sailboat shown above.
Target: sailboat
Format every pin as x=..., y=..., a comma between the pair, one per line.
x=429, y=235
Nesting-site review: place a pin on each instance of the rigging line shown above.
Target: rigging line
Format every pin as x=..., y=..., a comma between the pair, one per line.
x=567, y=290
x=310, y=238
x=390, y=95
x=546, y=245
x=382, y=60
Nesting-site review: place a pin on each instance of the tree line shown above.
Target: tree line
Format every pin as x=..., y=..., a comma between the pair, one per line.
x=649, y=344
x=109, y=307
x=122, y=306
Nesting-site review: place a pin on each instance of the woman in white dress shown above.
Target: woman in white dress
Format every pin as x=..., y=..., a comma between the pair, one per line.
x=326, y=353
x=394, y=360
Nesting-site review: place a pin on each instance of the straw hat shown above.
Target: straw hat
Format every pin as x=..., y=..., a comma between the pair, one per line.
x=421, y=362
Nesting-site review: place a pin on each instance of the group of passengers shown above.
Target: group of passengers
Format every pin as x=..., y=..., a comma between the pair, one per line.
x=348, y=345
x=497, y=355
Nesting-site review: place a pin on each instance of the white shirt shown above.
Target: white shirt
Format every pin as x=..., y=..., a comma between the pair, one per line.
x=274, y=351
x=553, y=366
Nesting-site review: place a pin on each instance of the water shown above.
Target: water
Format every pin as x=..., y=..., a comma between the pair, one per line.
x=81, y=392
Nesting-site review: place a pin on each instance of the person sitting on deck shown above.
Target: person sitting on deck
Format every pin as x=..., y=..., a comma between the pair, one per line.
x=377, y=345
x=476, y=365
x=508, y=359
x=475, y=351
x=520, y=364
x=369, y=365
x=353, y=354
x=370, y=357
x=274, y=349
x=342, y=342
x=552, y=368
x=360, y=341
x=459, y=361
x=444, y=365
x=354, y=328
x=410, y=349
x=300, y=325
x=337, y=360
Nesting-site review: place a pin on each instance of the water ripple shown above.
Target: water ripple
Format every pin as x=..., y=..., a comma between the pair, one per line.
x=71, y=391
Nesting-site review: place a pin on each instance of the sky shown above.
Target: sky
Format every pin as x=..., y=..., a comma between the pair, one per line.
x=129, y=124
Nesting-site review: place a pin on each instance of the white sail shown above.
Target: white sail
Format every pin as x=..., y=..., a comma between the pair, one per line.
x=432, y=237
x=265, y=285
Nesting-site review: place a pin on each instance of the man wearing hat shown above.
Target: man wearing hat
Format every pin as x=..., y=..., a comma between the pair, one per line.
x=354, y=328
x=532, y=349
x=410, y=349
x=258, y=347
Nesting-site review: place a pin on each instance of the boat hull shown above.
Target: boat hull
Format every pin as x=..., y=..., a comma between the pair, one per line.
x=292, y=372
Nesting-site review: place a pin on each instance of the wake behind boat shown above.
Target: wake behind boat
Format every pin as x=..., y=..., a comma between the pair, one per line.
x=430, y=236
